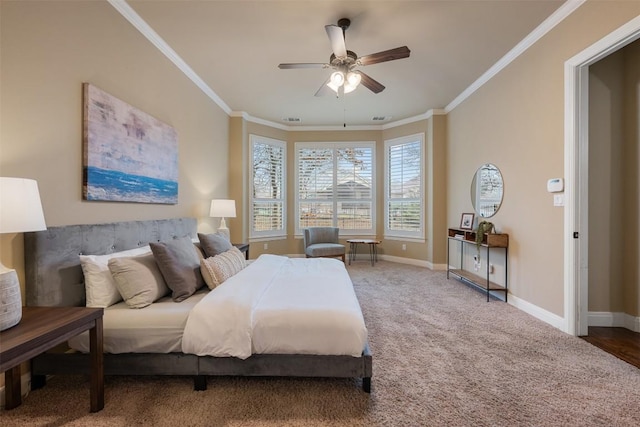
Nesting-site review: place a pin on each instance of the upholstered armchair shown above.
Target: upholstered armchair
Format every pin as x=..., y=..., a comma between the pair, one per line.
x=323, y=242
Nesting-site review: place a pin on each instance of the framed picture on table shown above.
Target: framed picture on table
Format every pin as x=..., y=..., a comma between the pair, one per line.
x=466, y=221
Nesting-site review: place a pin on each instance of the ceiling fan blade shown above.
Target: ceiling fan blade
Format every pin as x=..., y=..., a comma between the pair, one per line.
x=373, y=85
x=384, y=56
x=302, y=65
x=336, y=37
x=324, y=89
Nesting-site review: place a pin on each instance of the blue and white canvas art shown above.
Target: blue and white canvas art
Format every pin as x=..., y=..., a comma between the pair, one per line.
x=129, y=156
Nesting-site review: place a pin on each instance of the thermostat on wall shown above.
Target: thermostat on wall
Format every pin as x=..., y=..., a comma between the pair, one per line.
x=555, y=185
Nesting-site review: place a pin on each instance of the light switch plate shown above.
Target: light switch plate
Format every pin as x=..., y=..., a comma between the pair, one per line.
x=558, y=200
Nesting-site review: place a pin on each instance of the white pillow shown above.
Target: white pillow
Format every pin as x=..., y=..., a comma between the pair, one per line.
x=138, y=279
x=99, y=286
x=217, y=269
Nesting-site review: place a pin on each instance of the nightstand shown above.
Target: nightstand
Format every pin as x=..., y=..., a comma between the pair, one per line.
x=42, y=328
x=243, y=247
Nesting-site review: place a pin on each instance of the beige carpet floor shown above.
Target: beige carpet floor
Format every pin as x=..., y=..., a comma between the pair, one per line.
x=443, y=356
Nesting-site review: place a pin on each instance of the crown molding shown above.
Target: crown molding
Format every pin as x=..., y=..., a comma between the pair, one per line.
x=248, y=117
x=425, y=116
x=547, y=25
x=334, y=128
x=130, y=15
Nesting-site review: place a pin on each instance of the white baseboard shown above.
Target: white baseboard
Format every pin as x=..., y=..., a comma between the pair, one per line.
x=614, y=319
x=25, y=384
x=532, y=309
x=409, y=261
x=537, y=312
x=391, y=258
x=439, y=267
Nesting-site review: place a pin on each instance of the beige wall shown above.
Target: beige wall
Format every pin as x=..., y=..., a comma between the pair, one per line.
x=48, y=49
x=237, y=178
x=605, y=183
x=516, y=122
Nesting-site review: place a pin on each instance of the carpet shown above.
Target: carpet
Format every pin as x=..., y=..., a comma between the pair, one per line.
x=442, y=356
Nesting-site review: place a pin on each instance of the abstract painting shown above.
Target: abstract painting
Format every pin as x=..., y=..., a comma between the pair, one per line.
x=129, y=156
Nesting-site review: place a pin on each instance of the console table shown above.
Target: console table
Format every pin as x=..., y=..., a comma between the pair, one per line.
x=462, y=238
x=43, y=328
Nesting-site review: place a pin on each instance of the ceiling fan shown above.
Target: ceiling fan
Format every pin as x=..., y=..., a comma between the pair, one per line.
x=346, y=78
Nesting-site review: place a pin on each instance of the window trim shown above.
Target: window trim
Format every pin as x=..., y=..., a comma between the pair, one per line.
x=281, y=233
x=400, y=234
x=334, y=146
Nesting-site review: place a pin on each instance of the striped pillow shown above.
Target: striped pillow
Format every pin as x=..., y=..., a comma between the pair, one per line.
x=219, y=268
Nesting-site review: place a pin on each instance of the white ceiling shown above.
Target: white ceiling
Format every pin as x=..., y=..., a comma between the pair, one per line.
x=235, y=48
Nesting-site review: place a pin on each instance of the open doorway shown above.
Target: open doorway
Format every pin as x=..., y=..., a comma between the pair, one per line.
x=576, y=172
x=613, y=209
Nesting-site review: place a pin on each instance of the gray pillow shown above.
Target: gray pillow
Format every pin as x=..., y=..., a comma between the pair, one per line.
x=213, y=244
x=138, y=280
x=179, y=264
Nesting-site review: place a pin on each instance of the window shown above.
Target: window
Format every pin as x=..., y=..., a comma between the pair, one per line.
x=335, y=186
x=268, y=189
x=404, y=187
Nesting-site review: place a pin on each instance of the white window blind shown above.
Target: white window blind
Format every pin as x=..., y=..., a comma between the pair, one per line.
x=268, y=189
x=335, y=186
x=404, y=188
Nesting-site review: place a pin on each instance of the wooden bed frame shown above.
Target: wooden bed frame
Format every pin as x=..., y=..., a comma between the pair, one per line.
x=54, y=278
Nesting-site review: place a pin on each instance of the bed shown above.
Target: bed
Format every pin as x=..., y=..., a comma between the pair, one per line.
x=54, y=277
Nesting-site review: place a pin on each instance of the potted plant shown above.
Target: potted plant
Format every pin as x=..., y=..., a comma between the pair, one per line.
x=484, y=227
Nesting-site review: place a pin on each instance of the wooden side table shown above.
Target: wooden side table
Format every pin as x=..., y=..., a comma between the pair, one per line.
x=243, y=247
x=43, y=328
x=373, y=248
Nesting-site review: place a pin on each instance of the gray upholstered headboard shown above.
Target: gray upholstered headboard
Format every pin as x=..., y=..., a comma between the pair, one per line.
x=52, y=264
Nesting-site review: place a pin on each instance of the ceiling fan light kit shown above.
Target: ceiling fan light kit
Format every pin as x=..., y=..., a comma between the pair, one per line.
x=345, y=78
x=349, y=84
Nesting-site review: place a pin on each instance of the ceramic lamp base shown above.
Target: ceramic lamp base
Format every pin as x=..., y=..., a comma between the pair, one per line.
x=224, y=230
x=10, y=299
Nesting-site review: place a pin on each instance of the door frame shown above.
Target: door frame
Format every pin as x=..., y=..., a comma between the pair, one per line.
x=576, y=165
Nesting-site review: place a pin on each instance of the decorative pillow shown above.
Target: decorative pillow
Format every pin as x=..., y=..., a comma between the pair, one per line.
x=196, y=243
x=100, y=288
x=138, y=279
x=214, y=244
x=219, y=268
x=179, y=263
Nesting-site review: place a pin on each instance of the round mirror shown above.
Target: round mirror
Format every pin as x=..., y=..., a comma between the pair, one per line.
x=487, y=190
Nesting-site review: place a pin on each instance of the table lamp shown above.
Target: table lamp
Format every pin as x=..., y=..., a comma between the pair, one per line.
x=221, y=208
x=20, y=211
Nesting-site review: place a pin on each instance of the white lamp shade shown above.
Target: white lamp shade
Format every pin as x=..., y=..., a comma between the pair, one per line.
x=20, y=211
x=222, y=208
x=20, y=206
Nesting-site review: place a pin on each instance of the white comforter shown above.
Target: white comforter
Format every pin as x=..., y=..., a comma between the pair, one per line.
x=279, y=305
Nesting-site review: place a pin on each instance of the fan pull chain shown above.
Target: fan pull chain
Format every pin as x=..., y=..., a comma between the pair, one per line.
x=344, y=111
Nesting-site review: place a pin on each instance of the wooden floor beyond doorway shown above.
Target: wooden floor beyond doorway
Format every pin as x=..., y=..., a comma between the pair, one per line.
x=620, y=342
